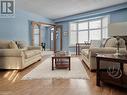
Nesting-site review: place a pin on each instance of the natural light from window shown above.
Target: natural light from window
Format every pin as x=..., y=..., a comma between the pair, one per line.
x=87, y=30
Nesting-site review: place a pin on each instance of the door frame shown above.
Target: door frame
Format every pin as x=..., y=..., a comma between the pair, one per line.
x=56, y=27
x=40, y=36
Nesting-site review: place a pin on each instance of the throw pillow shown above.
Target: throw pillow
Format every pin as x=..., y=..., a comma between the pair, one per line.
x=20, y=44
x=12, y=45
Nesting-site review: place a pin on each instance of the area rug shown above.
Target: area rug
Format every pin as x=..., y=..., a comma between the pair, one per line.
x=44, y=71
x=47, y=53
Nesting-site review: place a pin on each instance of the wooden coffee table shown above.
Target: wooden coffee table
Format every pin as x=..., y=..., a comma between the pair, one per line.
x=61, y=61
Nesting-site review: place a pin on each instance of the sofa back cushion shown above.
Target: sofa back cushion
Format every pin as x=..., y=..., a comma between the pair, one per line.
x=21, y=44
x=12, y=45
x=112, y=42
x=95, y=43
x=103, y=42
x=4, y=44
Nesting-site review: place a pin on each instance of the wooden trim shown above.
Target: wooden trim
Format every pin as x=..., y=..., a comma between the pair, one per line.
x=40, y=36
x=33, y=24
x=60, y=30
x=50, y=36
x=50, y=40
x=61, y=38
x=43, y=23
x=40, y=32
x=54, y=38
x=54, y=33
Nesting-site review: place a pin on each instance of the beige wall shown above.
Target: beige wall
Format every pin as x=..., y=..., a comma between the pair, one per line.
x=117, y=29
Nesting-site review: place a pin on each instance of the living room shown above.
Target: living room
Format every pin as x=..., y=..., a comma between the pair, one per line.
x=63, y=47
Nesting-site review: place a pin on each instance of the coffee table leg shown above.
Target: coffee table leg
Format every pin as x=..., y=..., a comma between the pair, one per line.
x=52, y=64
x=69, y=63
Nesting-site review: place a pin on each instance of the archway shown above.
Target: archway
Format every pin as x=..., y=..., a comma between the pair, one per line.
x=57, y=35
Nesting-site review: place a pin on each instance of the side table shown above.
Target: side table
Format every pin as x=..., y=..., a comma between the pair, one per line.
x=102, y=75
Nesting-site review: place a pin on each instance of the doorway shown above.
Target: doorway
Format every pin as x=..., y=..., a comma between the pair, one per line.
x=53, y=38
x=36, y=34
x=56, y=38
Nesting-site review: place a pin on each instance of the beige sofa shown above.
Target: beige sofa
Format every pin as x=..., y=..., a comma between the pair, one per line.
x=15, y=58
x=89, y=55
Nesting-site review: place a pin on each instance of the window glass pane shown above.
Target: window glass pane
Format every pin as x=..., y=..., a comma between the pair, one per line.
x=83, y=25
x=104, y=33
x=82, y=36
x=36, y=40
x=95, y=24
x=105, y=22
x=73, y=38
x=52, y=36
x=52, y=29
x=95, y=34
x=73, y=26
x=36, y=31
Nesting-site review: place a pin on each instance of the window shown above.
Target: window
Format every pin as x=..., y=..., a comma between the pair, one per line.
x=93, y=29
x=83, y=25
x=95, y=24
x=82, y=31
x=73, y=33
x=105, y=27
x=51, y=35
x=95, y=34
x=82, y=36
x=36, y=36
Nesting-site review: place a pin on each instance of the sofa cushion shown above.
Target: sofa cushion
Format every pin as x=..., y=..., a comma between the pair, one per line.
x=95, y=43
x=12, y=45
x=107, y=50
x=112, y=42
x=103, y=42
x=21, y=44
x=85, y=52
x=11, y=52
x=34, y=48
x=4, y=44
x=30, y=53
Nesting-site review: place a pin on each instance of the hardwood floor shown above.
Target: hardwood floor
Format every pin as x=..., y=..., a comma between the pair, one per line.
x=11, y=84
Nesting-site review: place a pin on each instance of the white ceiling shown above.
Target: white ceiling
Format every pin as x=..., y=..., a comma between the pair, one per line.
x=60, y=8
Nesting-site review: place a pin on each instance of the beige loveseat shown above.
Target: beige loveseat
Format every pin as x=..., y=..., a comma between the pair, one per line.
x=89, y=55
x=12, y=57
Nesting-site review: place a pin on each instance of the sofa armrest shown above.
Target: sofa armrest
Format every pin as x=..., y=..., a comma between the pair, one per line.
x=34, y=48
x=11, y=52
x=94, y=51
x=123, y=51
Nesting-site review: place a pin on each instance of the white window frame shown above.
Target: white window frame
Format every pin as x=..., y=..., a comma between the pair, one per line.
x=88, y=20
